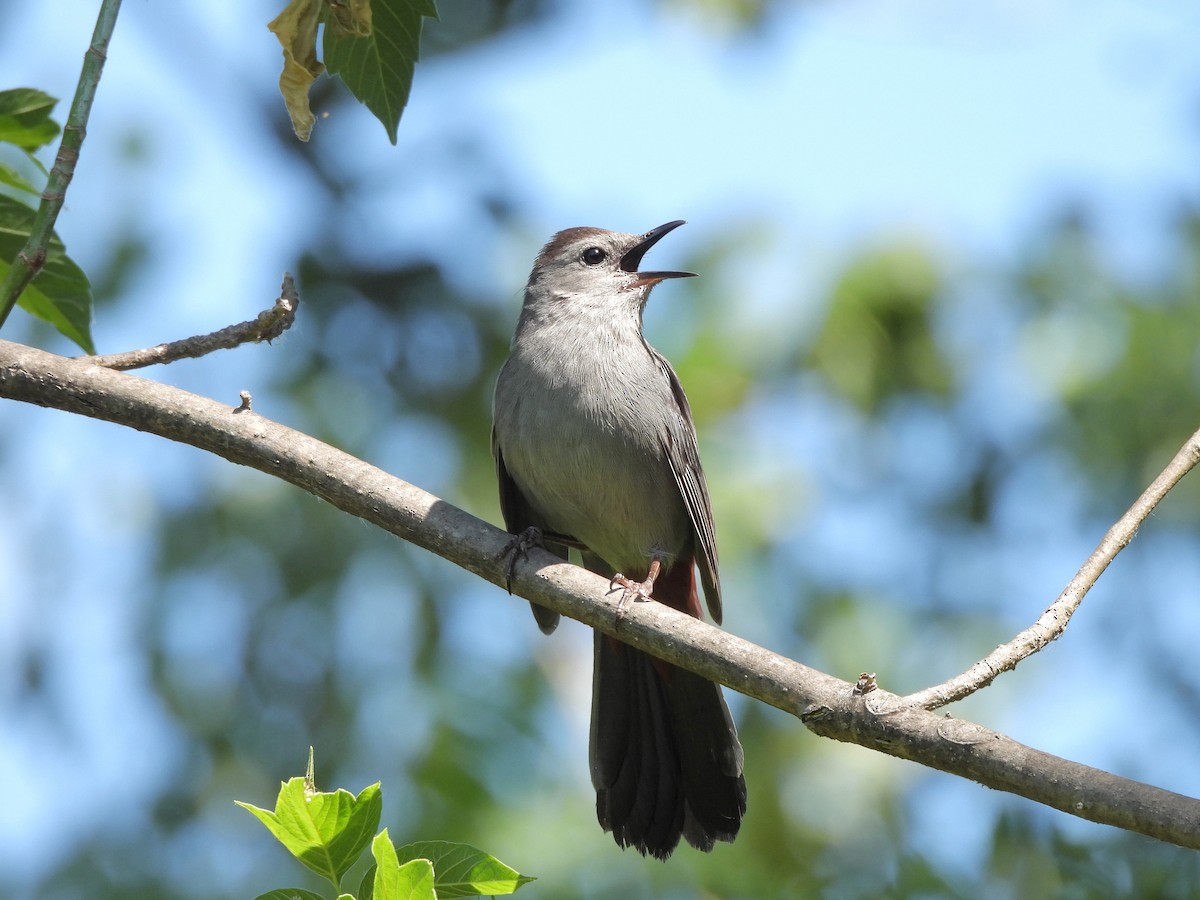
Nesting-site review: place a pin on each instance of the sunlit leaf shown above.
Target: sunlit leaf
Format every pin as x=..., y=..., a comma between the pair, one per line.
x=464, y=871
x=325, y=831
x=412, y=880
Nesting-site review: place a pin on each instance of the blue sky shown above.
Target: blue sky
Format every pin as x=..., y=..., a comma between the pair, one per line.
x=842, y=121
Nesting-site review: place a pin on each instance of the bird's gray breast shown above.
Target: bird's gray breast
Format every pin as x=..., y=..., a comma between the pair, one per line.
x=582, y=431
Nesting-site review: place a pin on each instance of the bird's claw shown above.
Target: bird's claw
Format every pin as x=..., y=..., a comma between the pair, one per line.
x=631, y=592
x=518, y=549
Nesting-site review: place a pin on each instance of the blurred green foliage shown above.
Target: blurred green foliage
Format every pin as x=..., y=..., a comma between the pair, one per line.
x=877, y=341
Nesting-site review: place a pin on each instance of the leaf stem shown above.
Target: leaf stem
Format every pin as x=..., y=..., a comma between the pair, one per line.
x=32, y=258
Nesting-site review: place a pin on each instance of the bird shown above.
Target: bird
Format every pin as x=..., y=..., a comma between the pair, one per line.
x=595, y=449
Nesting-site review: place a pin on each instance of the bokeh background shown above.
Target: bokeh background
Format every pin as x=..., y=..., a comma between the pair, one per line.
x=946, y=331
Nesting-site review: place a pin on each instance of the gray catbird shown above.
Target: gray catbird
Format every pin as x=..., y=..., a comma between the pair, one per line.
x=595, y=449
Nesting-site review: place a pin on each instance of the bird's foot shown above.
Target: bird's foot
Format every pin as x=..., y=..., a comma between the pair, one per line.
x=634, y=591
x=518, y=549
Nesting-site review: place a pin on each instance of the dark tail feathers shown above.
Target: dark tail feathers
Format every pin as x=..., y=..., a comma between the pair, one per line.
x=665, y=756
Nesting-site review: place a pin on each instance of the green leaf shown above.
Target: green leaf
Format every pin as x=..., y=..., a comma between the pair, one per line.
x=393, y=881
x=415, y=882
x=325, y=831
x=61, y=294
x=378, y=68
x=463, y=870
x=25, y=118
x=289, y=894
x=27, y=104
x=13, y=179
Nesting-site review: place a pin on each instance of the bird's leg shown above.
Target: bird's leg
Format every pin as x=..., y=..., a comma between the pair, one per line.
x=517, y=549
x=634, y=591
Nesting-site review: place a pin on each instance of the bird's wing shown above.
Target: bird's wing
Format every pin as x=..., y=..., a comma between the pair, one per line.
x=517, y=517
x=513, y=506
x=684, y=457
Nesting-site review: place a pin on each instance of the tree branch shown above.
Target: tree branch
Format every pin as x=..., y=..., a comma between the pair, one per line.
x=1054, y=620
x=266, y=326
x=32, y=258
x=828, y=706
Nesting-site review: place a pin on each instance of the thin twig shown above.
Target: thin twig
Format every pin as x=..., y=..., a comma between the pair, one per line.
x=827, y=706
x=32, y=258
x=266, y=326
x=1054, y=620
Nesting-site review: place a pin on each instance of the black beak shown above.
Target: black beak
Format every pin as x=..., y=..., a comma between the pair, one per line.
x=633, y=256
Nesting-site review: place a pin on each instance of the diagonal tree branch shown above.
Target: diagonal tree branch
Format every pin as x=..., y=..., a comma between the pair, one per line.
x=828, y=706
x=1053, y=621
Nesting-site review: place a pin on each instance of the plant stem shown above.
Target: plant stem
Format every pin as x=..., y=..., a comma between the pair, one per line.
x=32, y=258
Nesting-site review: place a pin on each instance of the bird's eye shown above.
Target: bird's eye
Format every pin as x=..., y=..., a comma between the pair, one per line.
x=593, y=256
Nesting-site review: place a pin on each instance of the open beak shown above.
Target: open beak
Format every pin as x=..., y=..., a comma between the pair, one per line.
x=633, y=256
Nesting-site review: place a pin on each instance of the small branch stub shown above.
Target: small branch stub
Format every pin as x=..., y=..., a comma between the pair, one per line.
x=266, y=326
